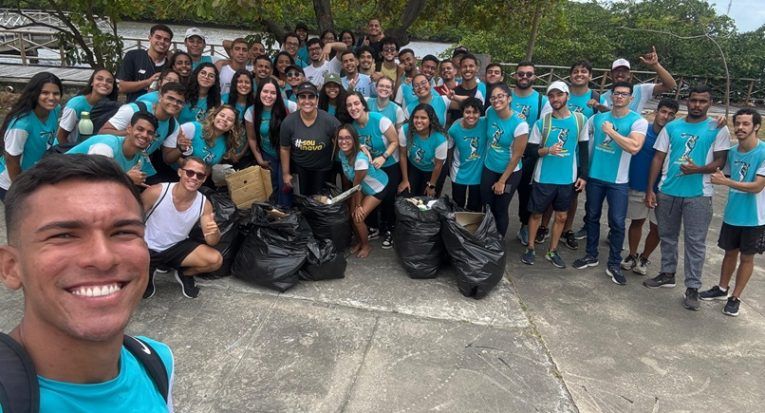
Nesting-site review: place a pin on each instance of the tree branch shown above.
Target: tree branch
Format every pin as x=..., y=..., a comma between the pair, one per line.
x=409, y=15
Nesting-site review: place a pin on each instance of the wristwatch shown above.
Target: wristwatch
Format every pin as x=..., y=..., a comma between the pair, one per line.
x=429, y=185
x=385, y=155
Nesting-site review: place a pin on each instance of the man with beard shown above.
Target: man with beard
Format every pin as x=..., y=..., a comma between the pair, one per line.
x=407, y=69
x=227, y=68
x=140, y=68
x=320, y=66
x=493, y=76
x=688, y=152
x=620, y=72
x=353, y=81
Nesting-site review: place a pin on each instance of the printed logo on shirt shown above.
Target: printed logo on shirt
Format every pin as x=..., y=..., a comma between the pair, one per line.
x=473, y=141
x=309, y=145
x=743, y=170
x=576, y=108
x=496, y=136
x=49, y=137
x=605, y=146
x=524, y=112
x=690, y=143
x=419, y=155
x=562, y=138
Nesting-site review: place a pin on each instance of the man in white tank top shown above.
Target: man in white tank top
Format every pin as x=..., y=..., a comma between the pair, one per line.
x=173, y=209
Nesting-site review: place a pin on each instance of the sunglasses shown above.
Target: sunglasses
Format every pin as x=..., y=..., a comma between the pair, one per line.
x=190, y=174
x=306, y=96
x=293, y=73
x=525, y=74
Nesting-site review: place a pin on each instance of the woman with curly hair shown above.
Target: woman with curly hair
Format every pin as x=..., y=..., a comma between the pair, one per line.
x=217, y=137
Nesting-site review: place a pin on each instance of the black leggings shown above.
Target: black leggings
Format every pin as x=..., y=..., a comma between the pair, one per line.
x=524, y=187
x=417, y=180
x=498, y=204
x=467, y=196
x=312, y=181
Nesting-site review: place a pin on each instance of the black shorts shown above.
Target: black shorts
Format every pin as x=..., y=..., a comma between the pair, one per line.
x=173, y=256
x=542, y=195
x=748, y=240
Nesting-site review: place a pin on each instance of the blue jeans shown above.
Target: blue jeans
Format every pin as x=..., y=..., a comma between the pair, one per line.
x=283, y=199
x=617, y=196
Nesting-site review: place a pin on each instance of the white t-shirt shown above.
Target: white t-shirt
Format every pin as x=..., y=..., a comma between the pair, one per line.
x=315, y=74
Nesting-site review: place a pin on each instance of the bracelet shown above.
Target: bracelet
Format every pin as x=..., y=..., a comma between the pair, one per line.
x=385, y=155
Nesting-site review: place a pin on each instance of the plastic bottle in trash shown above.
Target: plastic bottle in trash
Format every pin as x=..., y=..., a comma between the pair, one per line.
x=85, y=126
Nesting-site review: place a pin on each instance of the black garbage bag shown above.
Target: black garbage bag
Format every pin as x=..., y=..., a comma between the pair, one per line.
x=324, y=262
x=327, y=221
x=274, y=250
x=475, y=248
x=227, y=217
x=417, y=238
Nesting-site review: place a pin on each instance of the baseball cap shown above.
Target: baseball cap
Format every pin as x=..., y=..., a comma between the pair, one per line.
x=295, y=68
x=195, y=31
x=332, y=77
x=306, y=87
x=620, y=63
x=558, y=85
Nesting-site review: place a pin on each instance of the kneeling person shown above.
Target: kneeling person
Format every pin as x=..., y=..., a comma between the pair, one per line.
x=172, y=211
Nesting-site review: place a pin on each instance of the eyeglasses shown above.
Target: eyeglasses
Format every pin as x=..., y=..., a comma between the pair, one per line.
x=293, y=73
x=621, y=94
x=388, y=49
x=209, y=75
x=525, y=74
x=191, y=173
x=422, y=85
x=498, y=96
x=306, y=96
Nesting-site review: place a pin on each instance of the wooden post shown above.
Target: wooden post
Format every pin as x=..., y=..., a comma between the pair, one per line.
x=22, y=50
x=677, y=89
x=749, y=93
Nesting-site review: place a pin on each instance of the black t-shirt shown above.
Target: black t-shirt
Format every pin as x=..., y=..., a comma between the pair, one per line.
x=455, y=114
x=137, y=65
x=311, y=146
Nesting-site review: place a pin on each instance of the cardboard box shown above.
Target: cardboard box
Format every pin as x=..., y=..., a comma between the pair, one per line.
x=469, y=220
x=249, y=185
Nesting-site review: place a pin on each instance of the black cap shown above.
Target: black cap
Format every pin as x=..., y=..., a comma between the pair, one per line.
x=294, y=67
x=306, y=87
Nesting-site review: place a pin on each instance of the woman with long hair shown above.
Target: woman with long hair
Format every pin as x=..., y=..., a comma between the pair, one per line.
x=263, y=122
x=181, y=62
x=217, y=137
x=347, y=37
x=424, y=141
x=507, y=135
x=202, y=93
x=332, y=98
x=241, y=97
x=281, y=62
x=29, y=128
x=359, y=170
x=100, y=86
x=165, y=77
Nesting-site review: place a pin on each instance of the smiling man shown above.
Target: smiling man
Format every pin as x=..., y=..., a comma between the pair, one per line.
x=82, y=267
x=140, y=68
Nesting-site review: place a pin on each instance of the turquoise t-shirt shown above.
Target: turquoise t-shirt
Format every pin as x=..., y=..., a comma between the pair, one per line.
x=197, y=113
x=372, y=135
x=111, y=146
x=469, y=151
x=121, y=120
x=202, y=59
x=149, y=98
x=375, y=180
x=405, y=93
x=528, y=107
x=440, y=105
x=302, y=58
x=212, y=155
x=28, y=137
x=71, y=115
x=501, y=133
x=578, y=103
x=240, y=108
x=131, y=391
x=559, y=169
x=391, y=111
x=683, y=141
x=608, y=162
x=745, y=209
x=265, y=130
x=423, y=153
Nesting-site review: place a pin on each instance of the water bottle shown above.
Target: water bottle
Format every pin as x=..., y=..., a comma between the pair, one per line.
x=85, y=126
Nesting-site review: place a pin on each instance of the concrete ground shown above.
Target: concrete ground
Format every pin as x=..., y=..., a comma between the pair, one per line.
x=544, y=340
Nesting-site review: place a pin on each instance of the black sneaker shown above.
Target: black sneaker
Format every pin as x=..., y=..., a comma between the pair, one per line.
x=150, y=288
x=629, y=262
x=665, y=280
x=555, y=259
x=581, y=233
x=586, y=261
x=691, y=299
x=569, y=240
x=731, y=307
x=714, y=293
x=374, y=233
x=641, y=267
x=188, y=285
x=528, y=257
x=387, y=242
x=542, y=234
x=616, y=275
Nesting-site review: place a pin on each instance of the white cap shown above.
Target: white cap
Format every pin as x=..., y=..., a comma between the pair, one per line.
x=620, y=63
x=558, y=85
x=195, y=31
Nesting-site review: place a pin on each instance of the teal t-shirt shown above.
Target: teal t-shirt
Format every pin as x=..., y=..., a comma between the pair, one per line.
x=212, y=155
x=265, y=138
x=149, y=98
x=578, y=103
x=28, y=137
x=405, y=94
x=71, y=115
x=683, y=141
x=423, y=153
x=529, y=108
x=440, y=105
x=558, y=169
x=121, y=120
x=375, y=180
x=202, y=59
x=372, y=135
x=608, y=161
x=111, y=146
x=469, y=151
x=746, y=209
x=500, y=134
x=392, y=110
x=196, y=113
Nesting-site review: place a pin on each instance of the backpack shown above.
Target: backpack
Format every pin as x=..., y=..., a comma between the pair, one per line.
x=20, y=390
x=547, y=126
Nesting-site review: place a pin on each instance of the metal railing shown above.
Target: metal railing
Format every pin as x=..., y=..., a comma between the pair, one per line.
x=11, y=18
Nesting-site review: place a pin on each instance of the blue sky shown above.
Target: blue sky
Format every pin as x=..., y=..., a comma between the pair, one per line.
x=748, y=14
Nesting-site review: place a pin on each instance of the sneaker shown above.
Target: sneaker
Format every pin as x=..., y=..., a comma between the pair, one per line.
x=691, y=299
x=150, y=288
x=523, y=235
x=162, y=270
x=569, y=240
x=664, y=279
x=528, y=257
x=731, y=307
x=629, y=262
x=581, y=233
x=387, y=242
x=542, y=234
x=374, y=233
x=586, y=261
x=188, y=285
x=642, y=266
x=616, y=275
x=714, y=293
x=555, y=259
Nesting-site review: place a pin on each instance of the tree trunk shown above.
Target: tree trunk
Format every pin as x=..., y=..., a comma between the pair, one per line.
x=323, y=11
x=410, y=14
x=534, y=30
